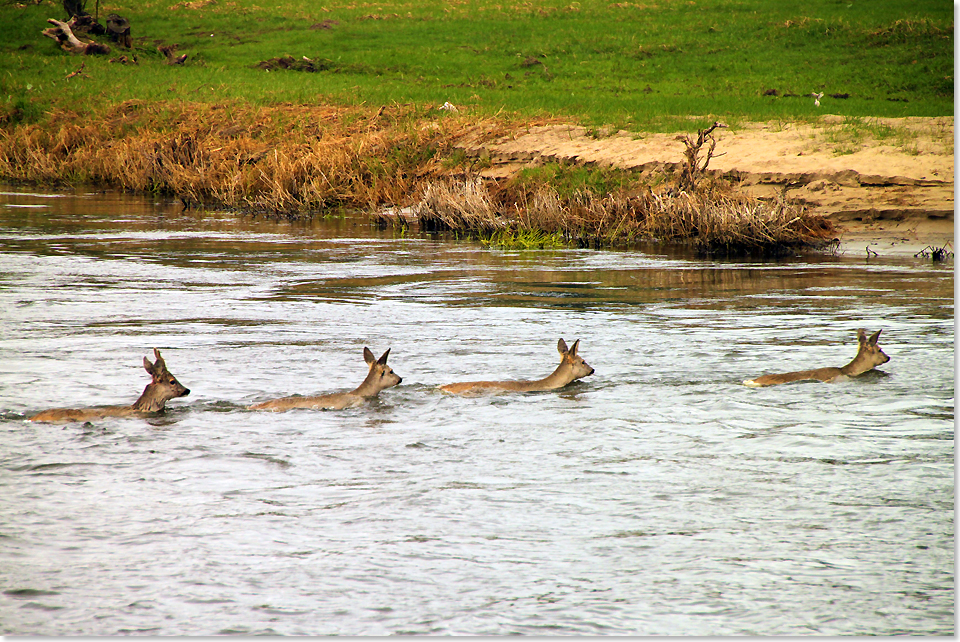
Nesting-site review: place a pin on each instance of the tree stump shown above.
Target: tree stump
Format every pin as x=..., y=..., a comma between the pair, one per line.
x=118, y=28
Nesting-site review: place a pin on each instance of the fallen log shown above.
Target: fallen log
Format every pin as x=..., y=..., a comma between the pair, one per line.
x=63, y=34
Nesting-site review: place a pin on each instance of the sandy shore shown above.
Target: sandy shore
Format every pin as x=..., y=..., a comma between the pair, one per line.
x=888, y=184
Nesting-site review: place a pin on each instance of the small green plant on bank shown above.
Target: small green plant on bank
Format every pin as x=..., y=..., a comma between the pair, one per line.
x=459, y=159
x=854, y=134
x=568, y=179
x=522, y=239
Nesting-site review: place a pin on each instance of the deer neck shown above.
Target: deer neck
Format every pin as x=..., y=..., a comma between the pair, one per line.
x=149, y=401
x=369, y=386
x=859, y=365
x=557, y=379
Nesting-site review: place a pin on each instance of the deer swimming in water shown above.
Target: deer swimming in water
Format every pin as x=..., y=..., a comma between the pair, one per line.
x=379, y=377
x=571, y=368
x=161, y=389
x=869, y=356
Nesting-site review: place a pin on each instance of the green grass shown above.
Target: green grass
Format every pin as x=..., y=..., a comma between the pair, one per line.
x=852, y=134
x=638, y=65
x=522, y=239
x=569, y=179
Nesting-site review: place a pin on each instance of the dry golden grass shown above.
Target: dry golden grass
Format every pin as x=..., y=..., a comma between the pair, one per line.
x=463, y=204
x=287, y=161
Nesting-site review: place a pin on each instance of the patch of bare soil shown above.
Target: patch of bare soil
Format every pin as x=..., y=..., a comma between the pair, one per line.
x=888, y=184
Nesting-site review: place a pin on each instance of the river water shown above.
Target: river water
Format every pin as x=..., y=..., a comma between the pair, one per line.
x=658, y=496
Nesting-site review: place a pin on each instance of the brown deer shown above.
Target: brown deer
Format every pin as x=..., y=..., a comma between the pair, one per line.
x=571, y=368
x=161, y=389
x=869, y=356
x=379, y=377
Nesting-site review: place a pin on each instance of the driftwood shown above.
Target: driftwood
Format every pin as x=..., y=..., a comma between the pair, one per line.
x=63, y=34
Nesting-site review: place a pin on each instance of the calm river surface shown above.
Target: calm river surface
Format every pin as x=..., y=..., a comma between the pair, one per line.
x=658, y=496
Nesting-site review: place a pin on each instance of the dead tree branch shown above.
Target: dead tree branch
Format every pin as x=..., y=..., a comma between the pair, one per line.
x=78, y=72
x=693, y=170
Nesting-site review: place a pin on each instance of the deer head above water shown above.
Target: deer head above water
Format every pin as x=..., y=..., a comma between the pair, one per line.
x=572, y=367
x=869, y=356
x=162, y=388
x=379, y=377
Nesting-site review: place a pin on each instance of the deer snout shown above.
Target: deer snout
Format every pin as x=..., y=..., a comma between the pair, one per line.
x=399, y=380
x=186, y=391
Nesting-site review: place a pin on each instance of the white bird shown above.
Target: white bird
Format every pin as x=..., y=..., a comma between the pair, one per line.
x=816, y=98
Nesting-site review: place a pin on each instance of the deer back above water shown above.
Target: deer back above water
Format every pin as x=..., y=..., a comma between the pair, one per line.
x=379, y=377
x=572, y=367
x=162, y=388
x=869, y=356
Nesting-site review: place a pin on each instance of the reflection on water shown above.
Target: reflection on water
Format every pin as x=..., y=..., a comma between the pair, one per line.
x=657, y=496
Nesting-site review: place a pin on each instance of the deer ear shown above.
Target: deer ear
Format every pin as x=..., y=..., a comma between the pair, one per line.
x=861, y=335
x=159, y=364
x=383, y=358
x=368, y=356
x=573, y=348
x=149, y=367
x=562, y=346
x=874, y=338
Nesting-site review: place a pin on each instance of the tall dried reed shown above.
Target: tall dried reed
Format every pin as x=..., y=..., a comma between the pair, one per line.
x=463, y=204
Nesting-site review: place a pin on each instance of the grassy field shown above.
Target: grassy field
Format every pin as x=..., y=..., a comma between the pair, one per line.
x=638, y=65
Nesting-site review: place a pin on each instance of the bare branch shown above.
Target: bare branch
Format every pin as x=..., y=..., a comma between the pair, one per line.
x=693, y=169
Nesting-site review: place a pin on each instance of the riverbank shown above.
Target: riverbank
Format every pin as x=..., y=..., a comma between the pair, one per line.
x=886, y=184
x=298, y=161
x=878, y=186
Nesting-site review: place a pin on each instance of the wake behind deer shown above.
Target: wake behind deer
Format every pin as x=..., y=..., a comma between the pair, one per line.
x=571, y=368
x=379, y=377
x=869, y=356
x=163, y=387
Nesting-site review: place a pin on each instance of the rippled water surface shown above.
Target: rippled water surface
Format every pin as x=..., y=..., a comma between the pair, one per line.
x=658, y=496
